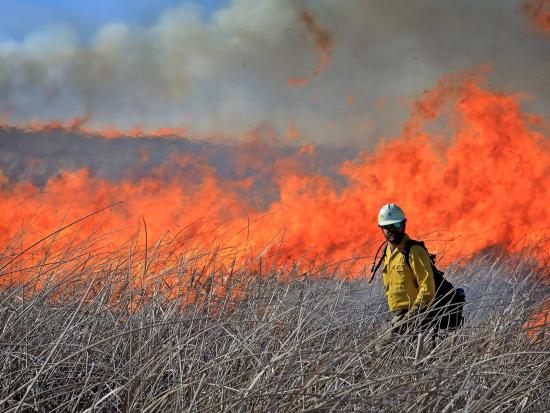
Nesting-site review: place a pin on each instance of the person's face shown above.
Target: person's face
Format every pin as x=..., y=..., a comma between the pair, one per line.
x=394, y=232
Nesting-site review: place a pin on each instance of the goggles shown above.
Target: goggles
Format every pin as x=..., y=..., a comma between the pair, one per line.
x=395, y=225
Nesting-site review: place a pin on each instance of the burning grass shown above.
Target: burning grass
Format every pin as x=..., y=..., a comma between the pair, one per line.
x=79, y=336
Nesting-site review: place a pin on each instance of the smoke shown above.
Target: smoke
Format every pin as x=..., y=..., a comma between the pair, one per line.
x=224, y=75
x=323, y=39
x=486, y=186
x=538, y=12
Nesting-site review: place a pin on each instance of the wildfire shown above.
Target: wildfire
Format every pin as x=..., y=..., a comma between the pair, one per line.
x=79, y=125
x=486, y=184
x=538, y=13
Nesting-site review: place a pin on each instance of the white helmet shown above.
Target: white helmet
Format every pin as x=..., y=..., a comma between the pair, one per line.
x=390, y=214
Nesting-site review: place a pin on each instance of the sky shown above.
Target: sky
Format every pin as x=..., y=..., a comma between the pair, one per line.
x=312, y=71
x=19, y=18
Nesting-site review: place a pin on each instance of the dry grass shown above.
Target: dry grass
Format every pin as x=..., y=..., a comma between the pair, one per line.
x=88, y=340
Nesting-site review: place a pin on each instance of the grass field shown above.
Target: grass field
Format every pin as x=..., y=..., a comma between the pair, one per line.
x=78, y=337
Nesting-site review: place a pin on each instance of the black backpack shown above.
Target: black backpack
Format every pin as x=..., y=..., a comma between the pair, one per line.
x=446, y=308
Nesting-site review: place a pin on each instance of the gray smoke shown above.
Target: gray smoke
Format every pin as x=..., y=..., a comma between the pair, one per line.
x=35, y=158
x=225, y=75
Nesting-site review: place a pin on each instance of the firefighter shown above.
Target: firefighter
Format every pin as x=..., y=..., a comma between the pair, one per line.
x=409, y=287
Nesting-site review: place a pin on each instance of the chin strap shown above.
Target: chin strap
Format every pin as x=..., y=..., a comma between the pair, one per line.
x=375, y=264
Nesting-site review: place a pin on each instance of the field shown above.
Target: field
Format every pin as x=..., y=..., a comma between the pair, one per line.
x=80, y=337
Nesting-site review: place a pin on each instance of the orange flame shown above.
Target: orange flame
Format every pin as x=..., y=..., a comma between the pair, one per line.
x=487, y=184
x=79, y=125
x=292, y=132
x=538, y=13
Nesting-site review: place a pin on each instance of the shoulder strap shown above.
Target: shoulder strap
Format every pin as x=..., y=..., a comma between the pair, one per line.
x=442, y=286
x=406, y=251
x=376, y=265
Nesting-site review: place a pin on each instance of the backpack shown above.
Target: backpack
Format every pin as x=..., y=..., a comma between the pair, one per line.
x=448, y=303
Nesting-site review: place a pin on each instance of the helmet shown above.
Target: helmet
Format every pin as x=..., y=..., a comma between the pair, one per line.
x=390, y=214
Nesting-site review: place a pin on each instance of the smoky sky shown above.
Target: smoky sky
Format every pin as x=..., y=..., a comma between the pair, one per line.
x=226, y=75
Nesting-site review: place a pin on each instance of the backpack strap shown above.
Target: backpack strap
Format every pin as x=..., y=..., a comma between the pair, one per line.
x=442, y=286
x=375, y=264
x=406, y=251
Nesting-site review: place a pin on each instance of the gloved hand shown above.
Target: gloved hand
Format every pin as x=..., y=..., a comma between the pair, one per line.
x=411, y=315
x=397, y=323
x=396, y=319
x=413, y=312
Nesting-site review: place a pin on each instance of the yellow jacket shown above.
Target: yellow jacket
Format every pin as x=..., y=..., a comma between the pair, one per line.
x=408, y=286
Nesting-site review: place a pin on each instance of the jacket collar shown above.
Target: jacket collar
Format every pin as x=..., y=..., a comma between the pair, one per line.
x=401, y=245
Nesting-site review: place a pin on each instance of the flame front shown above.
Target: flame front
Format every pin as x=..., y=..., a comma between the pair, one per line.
x=481, y=180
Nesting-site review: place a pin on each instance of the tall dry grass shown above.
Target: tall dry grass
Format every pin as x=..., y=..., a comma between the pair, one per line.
x=81, y=334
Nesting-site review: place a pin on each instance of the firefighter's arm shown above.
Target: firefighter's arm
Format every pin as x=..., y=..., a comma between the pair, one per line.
x=422, y=270
x=385, y=274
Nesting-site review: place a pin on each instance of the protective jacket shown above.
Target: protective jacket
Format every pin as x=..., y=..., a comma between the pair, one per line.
x=407, y=286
